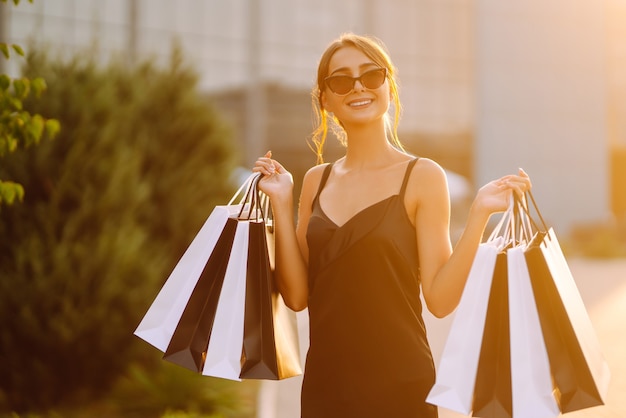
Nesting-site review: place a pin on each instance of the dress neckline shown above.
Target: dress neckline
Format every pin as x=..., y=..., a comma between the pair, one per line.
x=400, y=194
x=357, y=214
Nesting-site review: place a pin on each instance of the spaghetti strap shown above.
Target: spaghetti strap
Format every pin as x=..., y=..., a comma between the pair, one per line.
x=325, y=175
x=407, y=174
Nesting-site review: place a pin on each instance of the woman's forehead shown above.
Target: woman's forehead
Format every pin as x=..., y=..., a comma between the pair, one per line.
x=347, y=59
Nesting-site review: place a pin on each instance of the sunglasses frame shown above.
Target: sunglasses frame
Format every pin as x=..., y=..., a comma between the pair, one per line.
x=355, y=79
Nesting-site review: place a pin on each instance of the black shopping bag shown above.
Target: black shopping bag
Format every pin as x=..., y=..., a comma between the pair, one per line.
x=578, y=368
x=270, y=344
x=579, y=371
x=492, y=391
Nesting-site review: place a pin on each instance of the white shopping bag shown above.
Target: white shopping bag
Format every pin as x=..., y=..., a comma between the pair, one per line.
x=223, y=356
x=458, y=365
x=456, y=373
x=531, y=380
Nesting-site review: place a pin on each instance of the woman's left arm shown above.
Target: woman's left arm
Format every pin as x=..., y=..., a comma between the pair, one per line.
x=444, y=271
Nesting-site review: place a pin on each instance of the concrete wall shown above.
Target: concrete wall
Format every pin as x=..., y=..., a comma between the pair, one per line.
x=528, y=78
x=542, y=103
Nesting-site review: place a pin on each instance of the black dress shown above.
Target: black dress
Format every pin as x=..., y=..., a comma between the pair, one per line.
x=368, y=354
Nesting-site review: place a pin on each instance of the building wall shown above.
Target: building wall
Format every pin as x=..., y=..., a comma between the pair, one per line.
x=428, y=39
x=616, y=22
x=616, y=36
x=542, y=103
x=527, y=80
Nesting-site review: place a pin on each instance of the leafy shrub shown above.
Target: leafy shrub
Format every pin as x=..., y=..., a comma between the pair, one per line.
x=112, y=203
x=18, y=127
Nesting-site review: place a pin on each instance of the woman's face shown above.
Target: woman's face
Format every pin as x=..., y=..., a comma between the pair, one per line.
x=366, y=101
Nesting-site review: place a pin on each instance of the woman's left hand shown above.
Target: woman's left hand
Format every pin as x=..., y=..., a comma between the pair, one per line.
x=495, y=196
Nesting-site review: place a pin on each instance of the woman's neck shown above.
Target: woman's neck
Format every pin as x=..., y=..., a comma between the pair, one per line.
x=368, y=147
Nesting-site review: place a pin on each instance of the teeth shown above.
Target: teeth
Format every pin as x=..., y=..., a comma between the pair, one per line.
x=360, y=103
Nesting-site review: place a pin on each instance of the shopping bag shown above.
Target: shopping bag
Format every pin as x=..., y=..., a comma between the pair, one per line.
x=531, y=381
x=223, y=353
x=456, y=373
x=492, y=391
x=188, y=344
x=270, y=343
x=580, y=372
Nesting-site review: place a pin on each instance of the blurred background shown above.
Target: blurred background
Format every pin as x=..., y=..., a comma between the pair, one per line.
x=163, y=105
x=486, y=87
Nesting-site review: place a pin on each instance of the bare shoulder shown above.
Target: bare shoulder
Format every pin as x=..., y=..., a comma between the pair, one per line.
x=313, y=176
x=315, y=172
x=427, y=182
x=311, y=181
x=427, y=172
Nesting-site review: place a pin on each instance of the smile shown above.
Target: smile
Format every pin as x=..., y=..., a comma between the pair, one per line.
x=360, y=103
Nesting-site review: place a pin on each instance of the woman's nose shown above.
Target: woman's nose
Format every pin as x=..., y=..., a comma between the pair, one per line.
x=360, y=86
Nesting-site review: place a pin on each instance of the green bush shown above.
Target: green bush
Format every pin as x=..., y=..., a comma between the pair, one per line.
x=18, y=127
x=112, y=204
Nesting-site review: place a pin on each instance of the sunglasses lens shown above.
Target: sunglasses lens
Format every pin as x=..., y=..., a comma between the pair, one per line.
x=340, y=84
x=343, y=84
x=373, y=79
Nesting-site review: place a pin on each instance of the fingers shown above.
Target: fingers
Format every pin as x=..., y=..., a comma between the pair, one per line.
x=266, y=166
x=279, y=167
x=520, y=183
x=525, y=178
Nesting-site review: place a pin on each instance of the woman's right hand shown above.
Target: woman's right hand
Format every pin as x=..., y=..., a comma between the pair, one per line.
x=276, y=182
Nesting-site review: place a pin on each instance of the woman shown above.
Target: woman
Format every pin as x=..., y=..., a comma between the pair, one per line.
x=372, y=228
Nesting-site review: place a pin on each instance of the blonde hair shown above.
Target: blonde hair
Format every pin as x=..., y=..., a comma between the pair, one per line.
x=374, y=49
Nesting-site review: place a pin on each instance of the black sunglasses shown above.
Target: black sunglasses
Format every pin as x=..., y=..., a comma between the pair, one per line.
x=343, y=84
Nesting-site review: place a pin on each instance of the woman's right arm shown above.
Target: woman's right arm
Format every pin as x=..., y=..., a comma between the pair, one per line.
x=290, y=241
